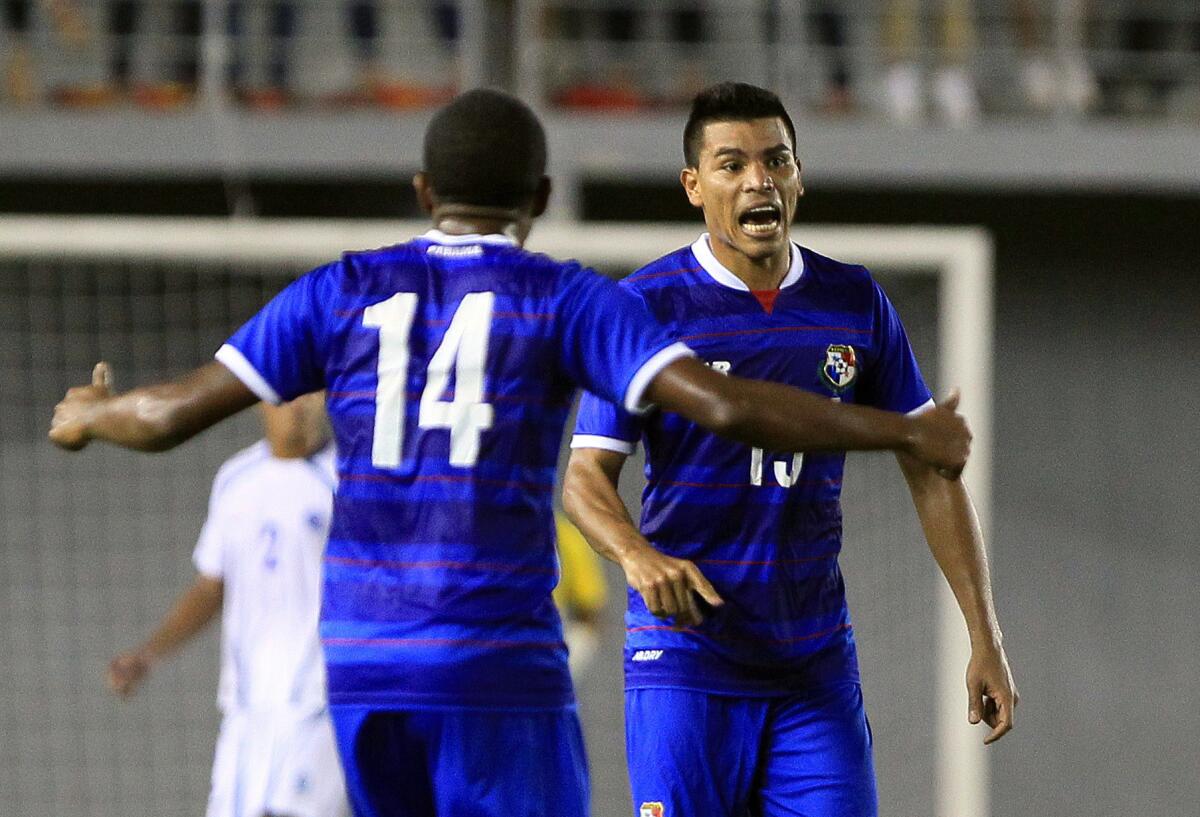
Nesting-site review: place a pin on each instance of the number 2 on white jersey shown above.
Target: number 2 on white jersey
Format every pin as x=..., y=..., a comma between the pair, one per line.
x=463, y=350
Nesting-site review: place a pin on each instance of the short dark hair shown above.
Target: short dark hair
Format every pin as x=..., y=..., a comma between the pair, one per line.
x=486, y=148
x=730, y=102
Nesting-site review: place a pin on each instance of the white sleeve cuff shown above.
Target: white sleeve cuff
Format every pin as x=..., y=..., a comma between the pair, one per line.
x=924, y=407
x=244, y=371
x=650, y=369
x=603, y=443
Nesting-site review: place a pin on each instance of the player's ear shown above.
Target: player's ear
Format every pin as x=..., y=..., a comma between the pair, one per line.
x=425, y=197
x=689, y=177
x=541, y=197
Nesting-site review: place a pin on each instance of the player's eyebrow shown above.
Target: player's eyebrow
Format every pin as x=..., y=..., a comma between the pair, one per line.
x=728, y=151
x=735, y=152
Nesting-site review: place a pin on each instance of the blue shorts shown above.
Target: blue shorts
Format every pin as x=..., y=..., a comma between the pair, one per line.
x=470, y=763
x=695, y=753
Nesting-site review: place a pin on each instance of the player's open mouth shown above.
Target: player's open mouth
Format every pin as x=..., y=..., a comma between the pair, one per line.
x=762, y=220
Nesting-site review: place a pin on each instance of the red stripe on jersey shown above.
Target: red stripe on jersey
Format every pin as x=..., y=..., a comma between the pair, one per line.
x=532, y=399
x=533, y=316
x=805, y=560
x=830, y=483
x=776, y=329
x=664, y=273
x=492, y=567
x=499, y=483
x=438, y=642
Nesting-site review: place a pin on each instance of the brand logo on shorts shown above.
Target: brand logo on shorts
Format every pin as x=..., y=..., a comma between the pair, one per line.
x=841, y=366
x=654, y=809
x=647, y=655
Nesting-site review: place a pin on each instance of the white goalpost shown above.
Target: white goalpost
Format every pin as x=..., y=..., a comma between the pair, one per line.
x=959, y=258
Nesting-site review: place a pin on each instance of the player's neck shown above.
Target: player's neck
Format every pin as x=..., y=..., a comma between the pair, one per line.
x=758, y=274
x=464, y=219
x=295, y=446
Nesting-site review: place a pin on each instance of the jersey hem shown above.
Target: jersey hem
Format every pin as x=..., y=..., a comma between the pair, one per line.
x=779, y=692
x=391, y=702
x=244, y=370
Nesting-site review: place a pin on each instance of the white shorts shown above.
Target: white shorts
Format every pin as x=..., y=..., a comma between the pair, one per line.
x=277, y=764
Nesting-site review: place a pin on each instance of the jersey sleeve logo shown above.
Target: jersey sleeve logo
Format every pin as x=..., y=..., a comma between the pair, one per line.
x=841, y=366
x=653, y=809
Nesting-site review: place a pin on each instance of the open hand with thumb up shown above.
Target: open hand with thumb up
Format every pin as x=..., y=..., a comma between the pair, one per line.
x=940, y=437
x=70, y=427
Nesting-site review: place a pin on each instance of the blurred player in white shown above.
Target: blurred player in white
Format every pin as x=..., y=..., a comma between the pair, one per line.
x=259, y=562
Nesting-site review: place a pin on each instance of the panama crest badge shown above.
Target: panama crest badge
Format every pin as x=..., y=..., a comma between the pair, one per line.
x=841, y=366
x=654, y=809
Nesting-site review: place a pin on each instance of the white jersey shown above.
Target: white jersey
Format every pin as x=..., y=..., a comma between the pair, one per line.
x=268, y=520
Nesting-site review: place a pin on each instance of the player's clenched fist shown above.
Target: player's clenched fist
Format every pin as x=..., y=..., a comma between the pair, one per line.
x=126, y=673
x=70, y=426
x=940, y=437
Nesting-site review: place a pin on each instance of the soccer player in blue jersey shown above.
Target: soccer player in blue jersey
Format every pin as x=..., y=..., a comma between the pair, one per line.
x=450, y=362
x=755, y=707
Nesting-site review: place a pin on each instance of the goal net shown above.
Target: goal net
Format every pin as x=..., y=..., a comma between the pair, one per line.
x=95, y=547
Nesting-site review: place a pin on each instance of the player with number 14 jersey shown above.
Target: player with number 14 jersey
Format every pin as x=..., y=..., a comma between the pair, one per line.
x=440, y=563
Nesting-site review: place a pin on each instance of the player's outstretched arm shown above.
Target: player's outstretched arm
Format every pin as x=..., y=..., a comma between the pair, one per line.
x=668, y=585
x=148, y=418
x=956, y=541
x=782, y=418
x=191, y=613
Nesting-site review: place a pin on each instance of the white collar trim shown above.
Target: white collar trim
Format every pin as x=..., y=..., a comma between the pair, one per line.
x=719, y=273
x=438, y=237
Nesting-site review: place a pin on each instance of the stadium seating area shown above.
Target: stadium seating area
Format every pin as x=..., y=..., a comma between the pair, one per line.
x=958, y=62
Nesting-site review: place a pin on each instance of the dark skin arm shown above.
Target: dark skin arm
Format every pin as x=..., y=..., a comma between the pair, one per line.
x=952, y=530
x=769, y=415
x=781, y=418
x=191, y=613
x=149, y=418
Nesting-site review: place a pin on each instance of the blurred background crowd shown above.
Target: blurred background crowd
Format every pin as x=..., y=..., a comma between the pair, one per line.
x=955, y=62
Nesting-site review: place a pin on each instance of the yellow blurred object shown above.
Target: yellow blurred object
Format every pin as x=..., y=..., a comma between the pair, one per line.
x=582, y=592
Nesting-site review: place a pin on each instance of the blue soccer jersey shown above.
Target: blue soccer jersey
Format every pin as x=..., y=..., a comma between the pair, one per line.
x=450, y=363
x=765, y=528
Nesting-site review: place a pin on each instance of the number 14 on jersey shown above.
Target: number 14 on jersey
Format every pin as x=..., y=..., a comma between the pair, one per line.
x=463, y=350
